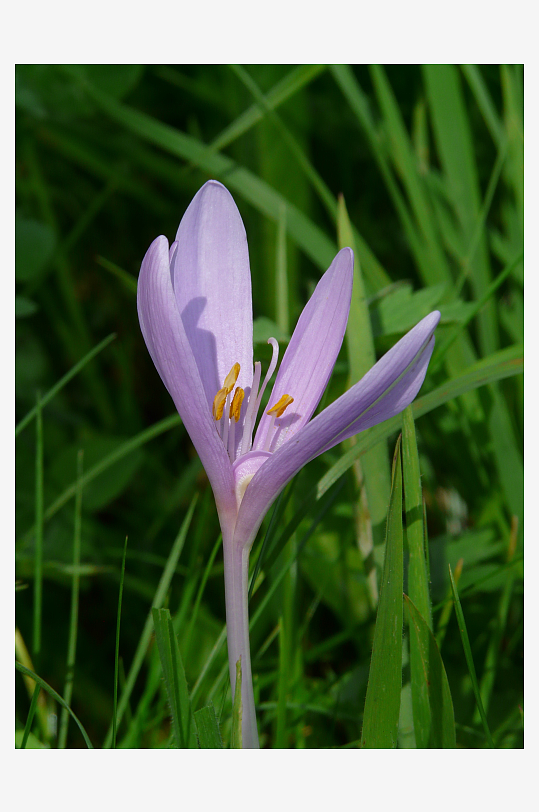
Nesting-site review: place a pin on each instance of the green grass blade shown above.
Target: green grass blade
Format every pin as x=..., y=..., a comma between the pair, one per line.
x=374, y=467
x=183, y=724
x=311, y=239
x=455, y=149
x=194, y=611
x=281, y=274
x=30, y=717
x=74, y=615
x=434, y=720
x=23, y=656
x=502, y=364
x=326, y=197
x=359, y=105
x=496, y=640
x=41, y=682
x=298, y=78
x=159, y=597
x=431, y=259
x=38, y=554
x=63, y=381
x=512, y=88
x=282, y=686
x=418, y=585
x=458, y=330
x=469, y=657
x=117, y=648
x=171, y=422
x=237, y=712
x=382, y=702
x=484, y=102
x=209, y=736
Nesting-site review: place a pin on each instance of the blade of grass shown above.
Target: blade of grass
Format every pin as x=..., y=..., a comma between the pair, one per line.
x=30, y=717
x=418, y=585
x=201, y=588
x=173, y=421
x=461, y=326
x=74, y=614
x=127, y=279
x=373, y=471
x=455, y=149
x=38, y=552
x=209, y=736
x=295, y=149
x=41, y=682
x=117, y=647
x=282, y=686
x=447, y=607
x=281, y=285
x=430, y=258
x=434, y=719
x=500, y=365
x=294, y=81
x=237, y=712
x=382, y=701
x=484, y=102
x=495, y=643
x=183, y=724
x=63, y=381
x=314, y=242
x=23, y=656
x=160, y=594
x=79, y=333
x=469, y=657
x=359, y=105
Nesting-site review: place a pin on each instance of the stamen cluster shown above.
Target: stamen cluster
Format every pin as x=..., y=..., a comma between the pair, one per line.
x=226, y=411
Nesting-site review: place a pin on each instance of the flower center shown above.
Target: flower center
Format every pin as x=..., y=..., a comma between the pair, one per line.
x=226, y=411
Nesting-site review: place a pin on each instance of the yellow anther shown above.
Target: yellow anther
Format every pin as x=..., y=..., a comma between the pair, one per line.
x=231, y=378
x=235, y=406
x=280, y=406
x=219, y=404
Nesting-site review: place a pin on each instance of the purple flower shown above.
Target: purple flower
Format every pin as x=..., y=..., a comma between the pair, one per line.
x=195, y=312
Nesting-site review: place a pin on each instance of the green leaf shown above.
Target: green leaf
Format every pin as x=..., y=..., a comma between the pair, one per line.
x=209, y=737
x=418, y=585
x=237, y=712
x=434, y=721
x=183, y=724
x=382, y=702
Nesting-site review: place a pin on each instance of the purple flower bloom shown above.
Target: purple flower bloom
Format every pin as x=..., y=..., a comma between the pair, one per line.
x=195, y=312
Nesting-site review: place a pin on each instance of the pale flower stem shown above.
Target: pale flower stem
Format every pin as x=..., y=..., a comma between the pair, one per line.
x=237, y=626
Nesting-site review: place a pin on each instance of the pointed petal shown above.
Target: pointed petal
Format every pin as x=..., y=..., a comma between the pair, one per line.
x=382, y=393
x=171, y=353
x=212, y=285
x=310, y=357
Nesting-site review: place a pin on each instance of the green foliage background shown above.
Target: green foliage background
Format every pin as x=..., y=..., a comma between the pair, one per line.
x=429, y=161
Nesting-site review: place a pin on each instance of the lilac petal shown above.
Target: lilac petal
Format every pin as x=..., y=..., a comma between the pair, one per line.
x=310, y=357
x=171, y=353
x=212, y=285
x=382, y=393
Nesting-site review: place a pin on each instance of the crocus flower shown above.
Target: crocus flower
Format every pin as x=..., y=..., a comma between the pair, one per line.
x=195, y=312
